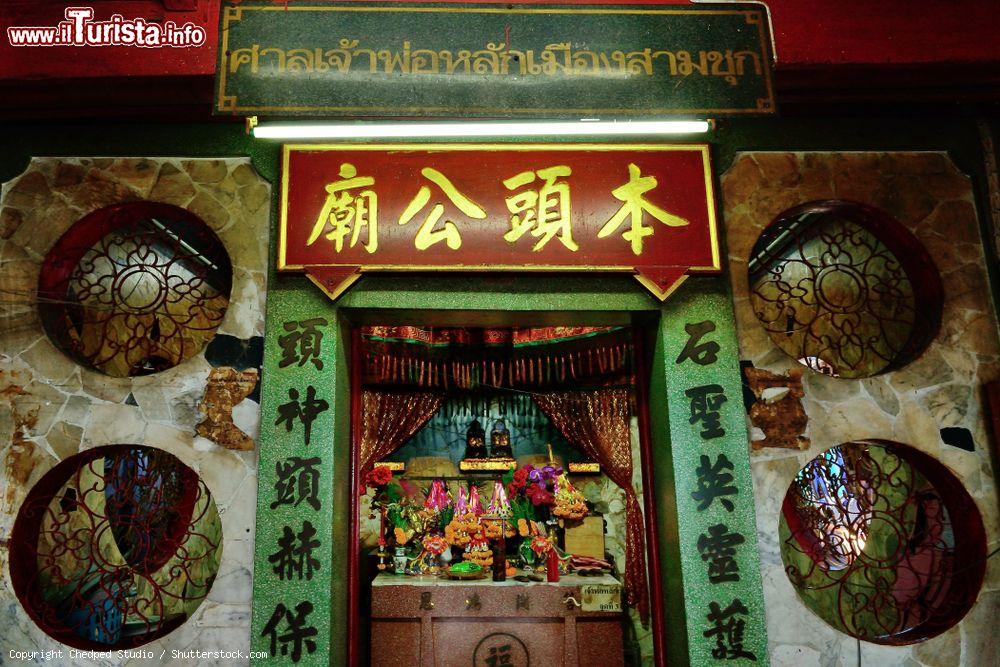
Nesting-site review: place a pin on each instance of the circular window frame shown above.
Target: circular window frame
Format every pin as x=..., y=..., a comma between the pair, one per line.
x=26, y=532
x=55, y=306
x=966, y=526
x=916, y=263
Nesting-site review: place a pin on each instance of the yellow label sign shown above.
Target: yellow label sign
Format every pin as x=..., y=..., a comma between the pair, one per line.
x=601, y=597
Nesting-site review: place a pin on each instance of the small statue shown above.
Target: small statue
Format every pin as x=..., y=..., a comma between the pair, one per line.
x=475, y=441
x=500, y=441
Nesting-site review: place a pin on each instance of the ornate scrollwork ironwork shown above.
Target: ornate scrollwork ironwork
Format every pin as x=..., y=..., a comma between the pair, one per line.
x=115, y=547
x=844, y=290
x=876, y=548
x=133, y=289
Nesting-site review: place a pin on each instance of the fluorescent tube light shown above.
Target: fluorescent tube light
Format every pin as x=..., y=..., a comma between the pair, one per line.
x=414, y=130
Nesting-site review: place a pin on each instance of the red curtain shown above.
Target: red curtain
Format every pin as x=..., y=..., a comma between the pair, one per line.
x=598, y=423
x=389, y=419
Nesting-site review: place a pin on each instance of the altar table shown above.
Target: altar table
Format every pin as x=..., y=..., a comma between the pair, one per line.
x=434, y=622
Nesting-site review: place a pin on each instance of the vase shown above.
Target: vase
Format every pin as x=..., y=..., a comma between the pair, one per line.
x=399, y=560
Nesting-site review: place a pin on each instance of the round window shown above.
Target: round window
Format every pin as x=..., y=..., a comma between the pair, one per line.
x=114, y=547
x=845, y=289
x=882, y=542
x=133, y=289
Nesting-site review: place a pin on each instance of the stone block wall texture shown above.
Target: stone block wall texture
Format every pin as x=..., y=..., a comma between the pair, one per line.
x=927, y=193
x=51, y=408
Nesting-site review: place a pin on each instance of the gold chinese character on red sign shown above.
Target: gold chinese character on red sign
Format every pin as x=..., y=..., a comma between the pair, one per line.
x=635, y=207
x=346, y=212
x=543, y=210
x=427, y=235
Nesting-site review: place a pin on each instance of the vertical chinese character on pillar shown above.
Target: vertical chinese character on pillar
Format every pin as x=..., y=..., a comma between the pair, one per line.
x=710, y=445
x=292, y=572
x=289, y=633
x=304, y=411
x=294, y=557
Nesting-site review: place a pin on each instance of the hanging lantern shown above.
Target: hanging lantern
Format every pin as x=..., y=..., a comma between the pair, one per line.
x=475, y=441
x=500, y=441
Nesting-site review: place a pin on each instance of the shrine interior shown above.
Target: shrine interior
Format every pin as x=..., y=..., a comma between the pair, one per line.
x=489, y=466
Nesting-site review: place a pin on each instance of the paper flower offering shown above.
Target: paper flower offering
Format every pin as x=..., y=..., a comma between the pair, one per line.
x=475, y=504
x=437, y=497
x=462, y=502
x=499, y=505
x=569, y=503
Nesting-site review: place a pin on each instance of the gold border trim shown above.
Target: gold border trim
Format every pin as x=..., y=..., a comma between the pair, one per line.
x=229, y=103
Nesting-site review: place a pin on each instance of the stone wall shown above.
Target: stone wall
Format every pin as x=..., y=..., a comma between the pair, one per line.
x=51, y=408
x=928, y=195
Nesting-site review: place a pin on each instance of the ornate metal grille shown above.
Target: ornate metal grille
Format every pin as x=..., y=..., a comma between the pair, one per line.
x=882, y=542
x=836, y=286
x=133, y=289
x=115, y=547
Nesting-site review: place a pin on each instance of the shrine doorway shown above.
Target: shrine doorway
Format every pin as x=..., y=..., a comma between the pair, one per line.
x=488, y=460
x=683, y=345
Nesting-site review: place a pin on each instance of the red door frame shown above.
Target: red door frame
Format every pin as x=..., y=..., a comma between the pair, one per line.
x=642, y=376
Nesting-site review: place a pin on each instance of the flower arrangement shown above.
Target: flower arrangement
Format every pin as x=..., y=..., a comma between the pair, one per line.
x=377, y=477
x=541, y=545
x=569, y=503
x=518, y=480
x=459, y=531
x=479, y=552
x=540, y=483
x=537, y=493
x=434, y=544
x=428, y=522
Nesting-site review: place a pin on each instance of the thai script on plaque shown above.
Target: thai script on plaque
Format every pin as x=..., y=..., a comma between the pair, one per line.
x=601, y=597
x=497, y=59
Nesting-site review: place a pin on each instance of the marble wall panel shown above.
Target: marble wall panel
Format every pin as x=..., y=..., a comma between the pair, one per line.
x=50, y=408
x=927, y=193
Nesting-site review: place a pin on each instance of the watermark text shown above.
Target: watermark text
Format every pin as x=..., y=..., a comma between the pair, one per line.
x=80, y=29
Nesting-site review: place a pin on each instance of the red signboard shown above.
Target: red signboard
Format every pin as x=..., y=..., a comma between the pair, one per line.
x=646, y=209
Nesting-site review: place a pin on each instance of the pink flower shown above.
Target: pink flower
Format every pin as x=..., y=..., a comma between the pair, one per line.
x=539, y=495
